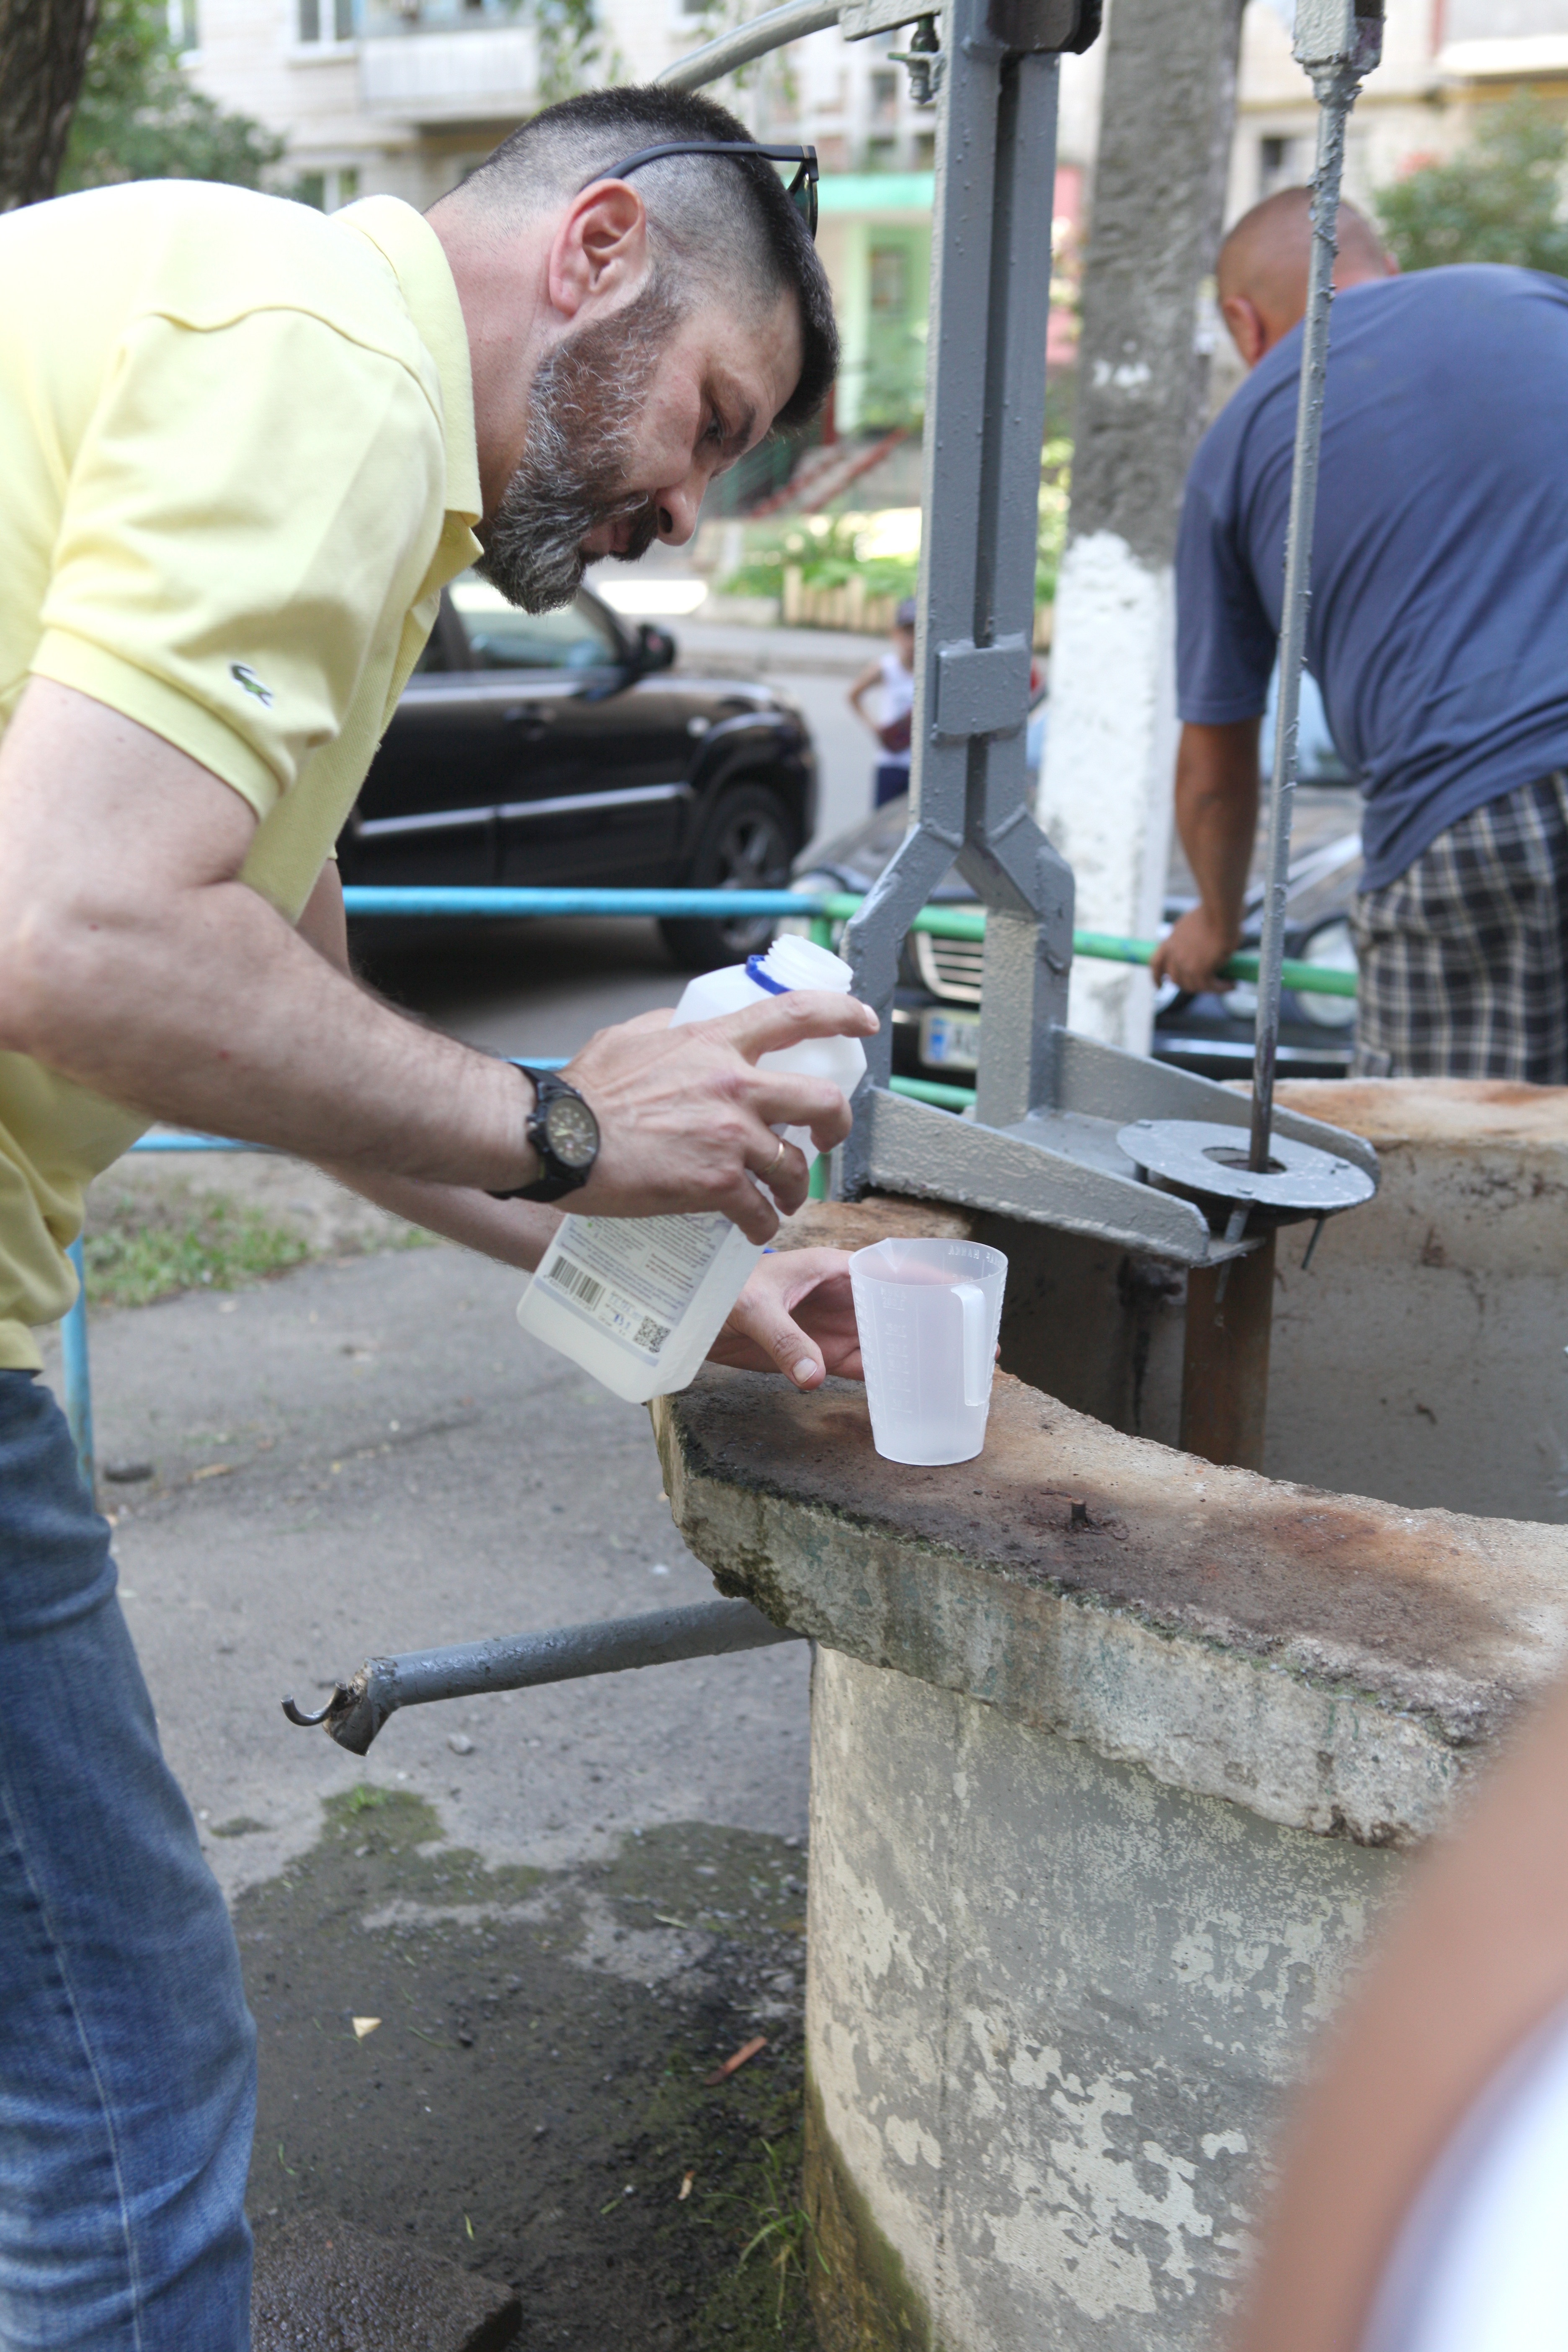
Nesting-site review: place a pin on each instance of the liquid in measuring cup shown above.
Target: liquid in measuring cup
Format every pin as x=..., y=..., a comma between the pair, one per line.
x=928, y=1314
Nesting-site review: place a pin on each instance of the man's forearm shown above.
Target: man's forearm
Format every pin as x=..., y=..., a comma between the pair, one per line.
x=518, y=1233
x=1216, y=812
x=196, y=1003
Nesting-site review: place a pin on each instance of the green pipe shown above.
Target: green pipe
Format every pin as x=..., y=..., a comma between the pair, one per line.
x=969, y=923
x=931, y=1090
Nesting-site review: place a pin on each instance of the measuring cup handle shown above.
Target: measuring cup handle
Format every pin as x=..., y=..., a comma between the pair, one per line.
x=976, y=1332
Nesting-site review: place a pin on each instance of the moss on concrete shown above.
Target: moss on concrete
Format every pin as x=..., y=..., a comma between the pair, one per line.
x=861, y=2295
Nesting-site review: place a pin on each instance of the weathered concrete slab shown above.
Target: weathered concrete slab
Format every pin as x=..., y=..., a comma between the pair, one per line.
x=1329, y=1660
x=323, y=2286
x=1114, y=1753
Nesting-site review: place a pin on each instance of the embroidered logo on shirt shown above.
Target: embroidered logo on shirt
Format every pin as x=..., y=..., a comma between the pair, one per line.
x=247, y=677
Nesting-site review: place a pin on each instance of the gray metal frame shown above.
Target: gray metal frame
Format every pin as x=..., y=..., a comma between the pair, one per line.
x=1043, y=1144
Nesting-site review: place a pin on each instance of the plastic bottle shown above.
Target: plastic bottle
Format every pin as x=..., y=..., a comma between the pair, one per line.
x=638, y=1301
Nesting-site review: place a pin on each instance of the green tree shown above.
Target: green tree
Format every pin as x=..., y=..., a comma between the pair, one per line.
x=1499, y=199
x=572, y=54
x=140, y=118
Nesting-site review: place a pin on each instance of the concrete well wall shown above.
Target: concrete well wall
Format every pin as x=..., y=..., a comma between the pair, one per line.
x=1051, y=2007
x=1115, y=1754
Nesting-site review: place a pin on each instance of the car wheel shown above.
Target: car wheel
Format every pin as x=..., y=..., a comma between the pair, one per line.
x=750, y=843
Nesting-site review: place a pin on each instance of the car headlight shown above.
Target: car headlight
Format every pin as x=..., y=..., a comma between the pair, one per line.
x=1333, y=947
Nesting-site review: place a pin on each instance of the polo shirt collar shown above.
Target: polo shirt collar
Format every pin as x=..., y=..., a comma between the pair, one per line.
x=414, y=252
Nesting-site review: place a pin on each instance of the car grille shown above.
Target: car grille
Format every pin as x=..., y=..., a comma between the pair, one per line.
x=950, y=967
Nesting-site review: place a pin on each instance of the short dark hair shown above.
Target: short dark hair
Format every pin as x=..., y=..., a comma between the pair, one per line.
x=715, y=219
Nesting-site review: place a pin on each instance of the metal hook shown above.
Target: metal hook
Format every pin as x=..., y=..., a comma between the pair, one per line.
x=308, y=1722
x=924, y=60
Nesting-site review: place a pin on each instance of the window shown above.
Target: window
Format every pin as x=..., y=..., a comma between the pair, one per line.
x=184, y=30
x=1279, y=163
x=881, y=154
x=500, y=636
x=888, y=274
x=925, y=150
x=327, y=20
x=328, y=190
x=885, y=97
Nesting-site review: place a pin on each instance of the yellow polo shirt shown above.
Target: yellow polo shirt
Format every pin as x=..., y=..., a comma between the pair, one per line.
x=236, y=444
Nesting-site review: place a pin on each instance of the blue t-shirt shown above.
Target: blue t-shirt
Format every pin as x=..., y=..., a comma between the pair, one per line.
x=1439, y=623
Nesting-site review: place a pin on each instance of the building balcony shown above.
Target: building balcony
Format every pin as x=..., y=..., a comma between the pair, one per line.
x=439, y=61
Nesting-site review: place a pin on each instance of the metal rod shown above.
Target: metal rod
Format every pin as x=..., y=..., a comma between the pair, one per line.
x=1335, y=88
x=76, y=1374
x=358, y=1708
x=716, y=58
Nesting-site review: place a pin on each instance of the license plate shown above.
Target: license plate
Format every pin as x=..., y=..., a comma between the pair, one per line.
x=950, y=1041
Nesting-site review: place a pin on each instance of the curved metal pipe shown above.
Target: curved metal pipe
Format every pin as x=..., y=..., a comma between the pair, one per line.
x=709, y=1629
x=771, y=31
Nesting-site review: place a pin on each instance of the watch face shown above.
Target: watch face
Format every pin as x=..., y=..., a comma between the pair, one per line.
x=571, y=1131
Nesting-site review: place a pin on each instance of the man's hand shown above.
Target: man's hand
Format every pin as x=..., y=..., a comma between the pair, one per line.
x=795, y=1315
x=1193, y=948
x=687, y=1116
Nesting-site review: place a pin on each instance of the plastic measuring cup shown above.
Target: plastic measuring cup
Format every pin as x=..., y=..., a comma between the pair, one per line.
x=928, y=1314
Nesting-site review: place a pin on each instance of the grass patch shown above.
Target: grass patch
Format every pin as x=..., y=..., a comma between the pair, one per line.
x=152, y=1249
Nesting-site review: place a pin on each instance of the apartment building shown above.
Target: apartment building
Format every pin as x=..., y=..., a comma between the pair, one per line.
x=1443, y=62
x=404, y=96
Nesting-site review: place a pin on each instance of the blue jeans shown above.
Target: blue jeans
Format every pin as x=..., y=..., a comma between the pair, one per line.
x=127, y=2054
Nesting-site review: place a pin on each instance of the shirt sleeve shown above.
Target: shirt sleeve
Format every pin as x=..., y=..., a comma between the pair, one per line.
x=248, y=507
x=1224, y=641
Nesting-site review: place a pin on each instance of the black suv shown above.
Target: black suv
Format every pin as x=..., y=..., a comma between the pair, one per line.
x=559, y=748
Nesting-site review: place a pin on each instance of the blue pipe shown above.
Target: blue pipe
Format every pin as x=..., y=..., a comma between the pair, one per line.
x=364, y=898
x=75, y=1375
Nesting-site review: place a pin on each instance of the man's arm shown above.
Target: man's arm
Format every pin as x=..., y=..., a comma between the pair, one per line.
x=795, y=1315
x=869, y=677
x=1471, y=1962
x=1216, y=820
x=134, y=960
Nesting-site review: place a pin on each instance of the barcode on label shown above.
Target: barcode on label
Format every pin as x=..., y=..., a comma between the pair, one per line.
x=651, y=1334
x=575, y=1280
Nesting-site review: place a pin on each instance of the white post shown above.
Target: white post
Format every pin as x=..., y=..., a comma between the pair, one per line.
x=1166, y=118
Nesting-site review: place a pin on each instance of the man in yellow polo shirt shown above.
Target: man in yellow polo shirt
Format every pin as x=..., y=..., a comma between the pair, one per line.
x=243, y=448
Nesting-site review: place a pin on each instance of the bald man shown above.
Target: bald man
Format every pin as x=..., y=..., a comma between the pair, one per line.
x=1437, y=631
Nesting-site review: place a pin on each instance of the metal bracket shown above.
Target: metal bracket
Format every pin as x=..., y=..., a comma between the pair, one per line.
x=982, y=689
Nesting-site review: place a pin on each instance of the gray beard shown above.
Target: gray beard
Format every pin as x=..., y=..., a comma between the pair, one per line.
x=582, y=417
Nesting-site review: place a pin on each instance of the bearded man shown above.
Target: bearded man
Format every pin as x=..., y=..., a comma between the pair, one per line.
x=245, y=447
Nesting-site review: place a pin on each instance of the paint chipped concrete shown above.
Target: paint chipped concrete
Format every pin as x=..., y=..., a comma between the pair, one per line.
x=1102, y=1813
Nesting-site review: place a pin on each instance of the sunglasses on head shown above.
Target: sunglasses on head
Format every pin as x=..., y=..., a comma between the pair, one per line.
x=801, y=191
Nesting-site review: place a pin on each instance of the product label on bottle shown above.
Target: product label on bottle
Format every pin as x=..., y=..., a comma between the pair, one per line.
x=634, y=1276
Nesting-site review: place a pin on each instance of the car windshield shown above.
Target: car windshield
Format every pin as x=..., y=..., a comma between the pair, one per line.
x=501, y=636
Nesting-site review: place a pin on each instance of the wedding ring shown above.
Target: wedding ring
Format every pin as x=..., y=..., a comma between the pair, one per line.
x=772, y=1167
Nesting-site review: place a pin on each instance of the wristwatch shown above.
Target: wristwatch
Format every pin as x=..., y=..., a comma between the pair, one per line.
x=563, y=1132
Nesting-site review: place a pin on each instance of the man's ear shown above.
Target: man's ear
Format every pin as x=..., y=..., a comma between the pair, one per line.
x=1247, y=332
x=600, y=247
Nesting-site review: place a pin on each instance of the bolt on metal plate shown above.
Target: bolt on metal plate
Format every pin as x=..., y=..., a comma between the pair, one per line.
x=1203, y=1156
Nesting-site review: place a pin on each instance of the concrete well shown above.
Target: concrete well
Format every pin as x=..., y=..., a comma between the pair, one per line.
x=1114, y=1753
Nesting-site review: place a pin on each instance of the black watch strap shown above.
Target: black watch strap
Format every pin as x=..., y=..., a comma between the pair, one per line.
x=565, y=1140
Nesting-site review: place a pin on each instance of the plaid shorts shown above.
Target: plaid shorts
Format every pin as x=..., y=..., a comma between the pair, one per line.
x=1463, y=957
